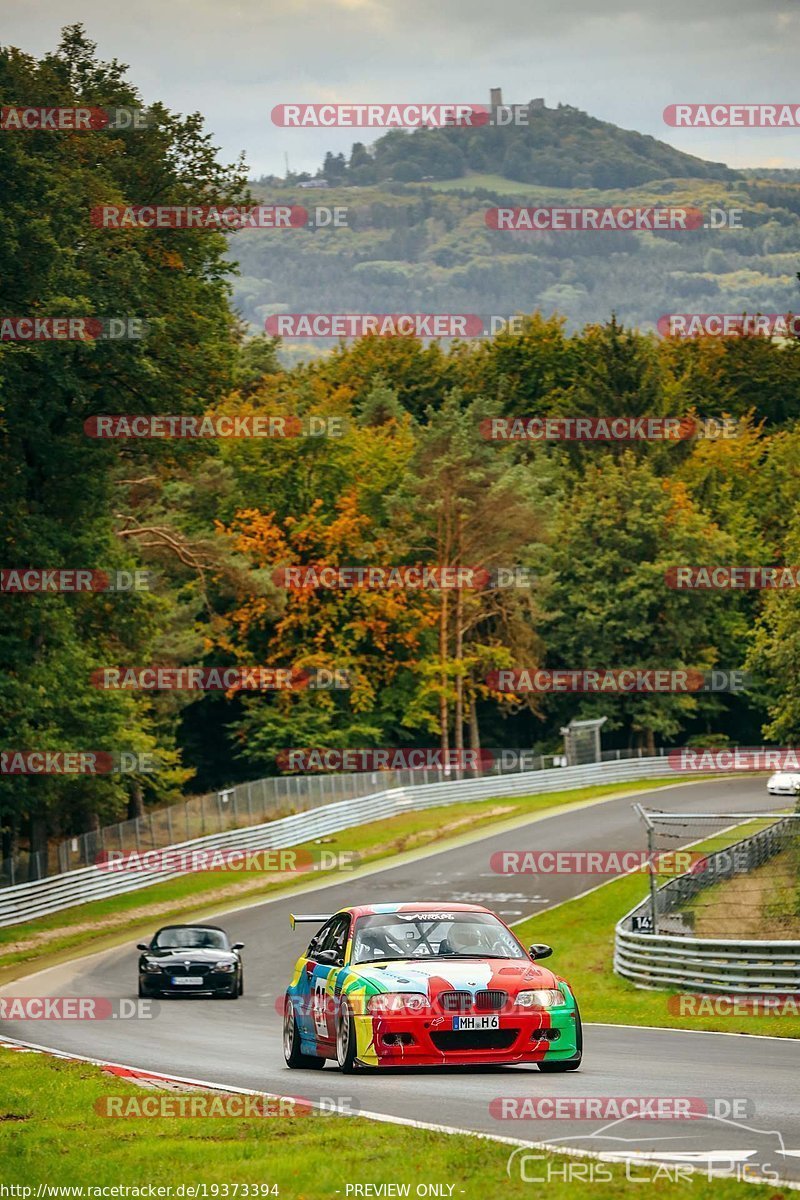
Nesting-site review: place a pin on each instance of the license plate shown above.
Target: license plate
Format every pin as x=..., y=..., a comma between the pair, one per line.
x=192, y=980
x=476, y=1022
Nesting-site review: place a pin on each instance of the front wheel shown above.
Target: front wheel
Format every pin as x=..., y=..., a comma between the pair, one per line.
x=291, y=1043
x=345, y=1039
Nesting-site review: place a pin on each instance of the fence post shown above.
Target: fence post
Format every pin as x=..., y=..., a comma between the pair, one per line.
x=169, y=824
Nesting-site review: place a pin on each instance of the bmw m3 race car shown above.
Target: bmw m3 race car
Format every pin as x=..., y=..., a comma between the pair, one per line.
x=391, y=985
x=191, y=959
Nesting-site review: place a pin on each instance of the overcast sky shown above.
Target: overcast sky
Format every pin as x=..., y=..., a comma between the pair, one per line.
x=620, y=60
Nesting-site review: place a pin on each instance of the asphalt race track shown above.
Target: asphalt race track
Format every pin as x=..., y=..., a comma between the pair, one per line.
x=239, y=1043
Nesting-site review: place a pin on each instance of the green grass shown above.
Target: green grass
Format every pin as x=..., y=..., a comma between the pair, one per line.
x=107, y=922
x=581, y=933
x=51, y=1134
x=700, y=193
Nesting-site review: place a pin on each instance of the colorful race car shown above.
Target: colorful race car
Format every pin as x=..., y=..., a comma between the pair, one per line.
x=390, y=985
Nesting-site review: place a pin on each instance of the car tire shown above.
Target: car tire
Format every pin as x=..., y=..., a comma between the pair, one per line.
x=568, y=1064
x=345, y=1039
x=291, y=1043
x=241, y=983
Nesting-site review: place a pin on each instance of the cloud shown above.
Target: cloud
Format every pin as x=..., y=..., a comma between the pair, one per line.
x=622, y=61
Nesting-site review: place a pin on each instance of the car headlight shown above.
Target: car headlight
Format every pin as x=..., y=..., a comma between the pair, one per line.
x=153, y=968
x=399, y=1003
x=540, y=998
x=226, y=967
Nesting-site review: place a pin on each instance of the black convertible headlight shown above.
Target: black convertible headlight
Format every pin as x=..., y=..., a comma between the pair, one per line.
x=153, y=968
x=226, y=967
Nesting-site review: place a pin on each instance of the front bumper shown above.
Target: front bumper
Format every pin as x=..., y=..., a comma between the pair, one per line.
x=213, y=982
x=396, y=1041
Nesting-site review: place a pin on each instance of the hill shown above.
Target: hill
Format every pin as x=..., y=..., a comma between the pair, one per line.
x=422, y=244
x=555, y=147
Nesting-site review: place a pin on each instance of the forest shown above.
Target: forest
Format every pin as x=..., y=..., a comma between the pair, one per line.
x=385, y=464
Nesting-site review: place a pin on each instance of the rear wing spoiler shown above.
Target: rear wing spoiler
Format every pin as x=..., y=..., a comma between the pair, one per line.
x=314, y=919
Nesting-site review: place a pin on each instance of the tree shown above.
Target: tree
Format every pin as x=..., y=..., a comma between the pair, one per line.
x=619, y=531
x=466, y=503
x=60, y=489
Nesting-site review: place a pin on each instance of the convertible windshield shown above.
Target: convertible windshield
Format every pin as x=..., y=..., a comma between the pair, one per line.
x=191, y=939
x=384, y=936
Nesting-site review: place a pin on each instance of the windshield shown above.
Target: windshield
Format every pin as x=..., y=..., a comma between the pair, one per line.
x=191, y=939
x=441, y=935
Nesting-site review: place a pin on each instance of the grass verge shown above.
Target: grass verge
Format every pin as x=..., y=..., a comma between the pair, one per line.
x=51, y=1134
x=765, y=903
x=104, y=923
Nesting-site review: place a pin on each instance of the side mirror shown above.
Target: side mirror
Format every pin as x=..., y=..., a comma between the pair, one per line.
x=141, y=946
x=540, y=950
x=329, y=957
x=237, y=946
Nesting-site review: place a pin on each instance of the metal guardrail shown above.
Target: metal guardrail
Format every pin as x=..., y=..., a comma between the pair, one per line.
x=26, y=901
x=240, y=806
x=726, y=965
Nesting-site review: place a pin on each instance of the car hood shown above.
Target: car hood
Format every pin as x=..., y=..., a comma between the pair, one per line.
x=431, y=976
x=192, y=954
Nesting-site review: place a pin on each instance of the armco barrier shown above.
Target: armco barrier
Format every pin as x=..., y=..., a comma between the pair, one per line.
x=724, y=965
x=28, y=900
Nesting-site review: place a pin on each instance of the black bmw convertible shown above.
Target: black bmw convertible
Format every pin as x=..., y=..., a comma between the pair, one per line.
x=191, y=959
